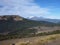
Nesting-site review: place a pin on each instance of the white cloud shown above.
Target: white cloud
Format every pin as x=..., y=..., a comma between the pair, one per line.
x=23, y=8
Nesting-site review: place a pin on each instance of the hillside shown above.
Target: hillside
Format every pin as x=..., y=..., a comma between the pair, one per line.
x=15, y=22
x=14, y=26
x=41, y=40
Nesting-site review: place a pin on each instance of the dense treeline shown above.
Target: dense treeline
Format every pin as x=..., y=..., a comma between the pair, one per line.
x=21, y=34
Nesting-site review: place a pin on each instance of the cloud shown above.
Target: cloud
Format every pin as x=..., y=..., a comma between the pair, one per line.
x=22, y=7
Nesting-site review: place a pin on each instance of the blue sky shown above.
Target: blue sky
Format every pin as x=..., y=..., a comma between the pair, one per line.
x=30, y=8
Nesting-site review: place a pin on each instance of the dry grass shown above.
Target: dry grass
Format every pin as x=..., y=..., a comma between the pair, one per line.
x=42, y=41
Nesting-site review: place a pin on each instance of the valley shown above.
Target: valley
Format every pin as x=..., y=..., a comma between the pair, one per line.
x=17, y=30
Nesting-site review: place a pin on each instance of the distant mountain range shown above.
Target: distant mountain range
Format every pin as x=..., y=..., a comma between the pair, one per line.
x=44, y=19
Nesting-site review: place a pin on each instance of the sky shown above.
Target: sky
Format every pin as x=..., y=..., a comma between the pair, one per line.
x=31, y=8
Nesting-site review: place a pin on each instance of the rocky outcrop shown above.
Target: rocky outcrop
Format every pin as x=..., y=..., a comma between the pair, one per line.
x=11, y=17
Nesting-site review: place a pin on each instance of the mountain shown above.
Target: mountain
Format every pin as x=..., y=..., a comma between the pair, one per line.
x=14, y=26
x=13, y=23
x=45, y=19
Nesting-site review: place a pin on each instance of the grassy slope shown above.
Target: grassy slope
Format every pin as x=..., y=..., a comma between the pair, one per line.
x=44, y=40
x=50, y=40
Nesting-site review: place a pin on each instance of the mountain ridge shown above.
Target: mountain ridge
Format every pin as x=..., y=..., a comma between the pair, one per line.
x=44, y=19
x=20, y=23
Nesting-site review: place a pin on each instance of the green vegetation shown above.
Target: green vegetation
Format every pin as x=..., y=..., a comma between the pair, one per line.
x=18, y=28
x=27, y=34
x=8, y=24
x=49, y=33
